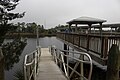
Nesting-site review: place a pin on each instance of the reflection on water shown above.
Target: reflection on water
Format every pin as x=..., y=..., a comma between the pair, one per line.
x=31, y=46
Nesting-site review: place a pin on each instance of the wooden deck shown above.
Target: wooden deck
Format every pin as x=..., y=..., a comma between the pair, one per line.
x=48, y=69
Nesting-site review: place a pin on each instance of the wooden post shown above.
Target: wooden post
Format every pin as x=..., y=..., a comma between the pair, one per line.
x=1, y=65
x=66, y=60
x=100, y=29
x=113, y=64
x=79, y=41
x=88, y=40
x=82, y=67
x=89, y=29
x=102, y=46
x=69, y=28
x=76, y=28
x=105, y=48
x=101, y=40
x=65, y=48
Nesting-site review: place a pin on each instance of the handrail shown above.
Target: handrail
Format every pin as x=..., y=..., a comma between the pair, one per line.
x=31, y=64
x=59, y=57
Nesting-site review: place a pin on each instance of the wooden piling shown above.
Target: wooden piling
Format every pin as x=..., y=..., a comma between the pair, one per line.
x=65, y=48
x=1, y=65
x=113, y=64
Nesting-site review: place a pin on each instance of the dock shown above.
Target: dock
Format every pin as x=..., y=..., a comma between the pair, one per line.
x=48, y=69
x=50, y=64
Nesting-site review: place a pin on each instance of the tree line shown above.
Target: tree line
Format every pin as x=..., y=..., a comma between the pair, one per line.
x=31, y=28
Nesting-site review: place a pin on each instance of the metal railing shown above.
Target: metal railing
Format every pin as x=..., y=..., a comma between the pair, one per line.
x=62, y=59
x=31, y=64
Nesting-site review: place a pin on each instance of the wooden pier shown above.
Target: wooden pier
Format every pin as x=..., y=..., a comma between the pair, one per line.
x=48, y=69
x=49, y=64
x=103, y=46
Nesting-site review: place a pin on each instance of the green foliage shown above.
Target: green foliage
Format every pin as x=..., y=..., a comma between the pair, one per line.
x=29, y=28
x=11, y=52
x=52, y=31
x=6, y=6
x=4, y=29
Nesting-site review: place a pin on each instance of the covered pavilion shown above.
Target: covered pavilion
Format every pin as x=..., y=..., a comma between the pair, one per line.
x=86, y=21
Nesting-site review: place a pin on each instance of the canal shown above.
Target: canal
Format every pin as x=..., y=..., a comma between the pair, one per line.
x=31, y=45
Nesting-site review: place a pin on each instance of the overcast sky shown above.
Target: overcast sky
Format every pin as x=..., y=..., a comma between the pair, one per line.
x=54, y=12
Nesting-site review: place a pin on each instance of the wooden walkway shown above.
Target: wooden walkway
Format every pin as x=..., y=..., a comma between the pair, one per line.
x=48, y=69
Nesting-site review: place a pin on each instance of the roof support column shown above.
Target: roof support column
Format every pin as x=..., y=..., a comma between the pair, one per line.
x=101, y=40
x=89, y=29
x=100, y=29
x=76, y=28
x=70, y=29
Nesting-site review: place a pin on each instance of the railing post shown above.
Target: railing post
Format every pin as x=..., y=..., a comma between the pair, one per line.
x=73, y=38
x=105, y=47
x=102, y=47
x=25, y=76
x=88, y=40
x=35, y=65
x=55, y=54
x=54, y=57
x=62, y=57
x=60, y=62
x=79, y=40
x=65, y=48
x=81, y=66
x=67, y=65
x=38, y=57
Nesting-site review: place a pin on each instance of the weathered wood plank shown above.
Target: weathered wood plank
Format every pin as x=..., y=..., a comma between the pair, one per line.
x=48, y=69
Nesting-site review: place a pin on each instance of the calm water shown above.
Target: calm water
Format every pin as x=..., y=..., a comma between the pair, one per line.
x=31, y=46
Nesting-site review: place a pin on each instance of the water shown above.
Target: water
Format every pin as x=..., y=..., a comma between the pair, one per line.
x=44, y=42
x=31, y=46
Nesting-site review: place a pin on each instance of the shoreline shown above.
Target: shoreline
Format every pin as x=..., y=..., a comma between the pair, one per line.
x=28, y=35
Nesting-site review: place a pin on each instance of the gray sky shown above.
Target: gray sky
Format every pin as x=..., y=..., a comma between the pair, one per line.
x=54, y=12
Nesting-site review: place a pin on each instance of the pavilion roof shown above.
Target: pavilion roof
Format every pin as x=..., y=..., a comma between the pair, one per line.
x=86, y=20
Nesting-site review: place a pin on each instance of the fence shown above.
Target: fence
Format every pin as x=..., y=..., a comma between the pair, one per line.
x=92, y=42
